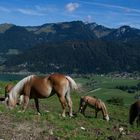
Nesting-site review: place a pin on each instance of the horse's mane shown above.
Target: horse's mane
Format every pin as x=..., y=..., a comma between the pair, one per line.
x=104, y=107
x=19, y=86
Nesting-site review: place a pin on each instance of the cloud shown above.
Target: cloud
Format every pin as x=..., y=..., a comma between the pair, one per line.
x=30, y=12
x=88, y=18
x=132, y=24
x=124, y=23
x=72, y=6
x=4, y=9
x=46, y=8
x=126, y=9
x=132, y=14
x=37, y=10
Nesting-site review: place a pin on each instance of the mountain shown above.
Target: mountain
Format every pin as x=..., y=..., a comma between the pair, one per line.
x=73, y=47
x=75, y=30
x=124, y=34
x=5, y=27
x=99, y=30
x=77, y=57
x=22, y=38
x=16, y=37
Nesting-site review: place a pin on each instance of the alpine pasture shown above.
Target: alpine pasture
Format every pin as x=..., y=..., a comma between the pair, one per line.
x=51, y=126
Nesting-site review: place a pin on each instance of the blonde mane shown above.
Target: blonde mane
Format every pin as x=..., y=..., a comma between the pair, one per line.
x=13, y=94
x=105, y=111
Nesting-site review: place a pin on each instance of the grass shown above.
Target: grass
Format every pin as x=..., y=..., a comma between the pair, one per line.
x=53, y=125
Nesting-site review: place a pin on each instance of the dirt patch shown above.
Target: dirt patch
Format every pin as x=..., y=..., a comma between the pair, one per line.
x=135, y=135
x=26, y=130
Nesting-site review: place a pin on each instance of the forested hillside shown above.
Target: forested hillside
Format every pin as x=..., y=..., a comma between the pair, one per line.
x=73, y=47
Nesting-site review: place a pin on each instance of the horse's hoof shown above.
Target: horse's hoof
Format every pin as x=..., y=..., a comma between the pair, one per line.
x=63, y=115
x=20, y=111
x=71, y=115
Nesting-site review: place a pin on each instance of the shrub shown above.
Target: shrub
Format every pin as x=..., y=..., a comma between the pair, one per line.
x=116, y=101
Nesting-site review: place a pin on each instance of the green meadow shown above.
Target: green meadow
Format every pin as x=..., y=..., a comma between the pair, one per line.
x=51, y=126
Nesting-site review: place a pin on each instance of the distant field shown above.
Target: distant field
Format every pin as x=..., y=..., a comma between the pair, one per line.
x=107, y=87
x=51, y=126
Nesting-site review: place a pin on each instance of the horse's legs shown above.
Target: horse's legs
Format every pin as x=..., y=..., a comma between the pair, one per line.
x=26, y=95
x=69, y=101
x=63, y=104
x=37, y=105
x=21, y=99
x=80, y=106
x=26, y=101
x=96, y=112
x=83, y=109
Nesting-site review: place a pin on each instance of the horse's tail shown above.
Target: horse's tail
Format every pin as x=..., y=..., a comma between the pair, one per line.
x=73, y=84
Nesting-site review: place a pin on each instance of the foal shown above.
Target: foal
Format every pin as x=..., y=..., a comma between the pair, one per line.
x=134, y=113
x=95, y=103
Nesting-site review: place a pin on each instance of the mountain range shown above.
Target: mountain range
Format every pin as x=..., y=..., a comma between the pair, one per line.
x=69, y=47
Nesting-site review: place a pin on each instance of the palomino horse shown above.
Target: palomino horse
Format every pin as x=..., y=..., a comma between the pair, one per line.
x=8, y=88
x=134, y=113
x=43, y=87
x=95, y=103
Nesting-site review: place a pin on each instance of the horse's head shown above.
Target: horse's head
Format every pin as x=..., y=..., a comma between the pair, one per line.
x=106, y=117
x=82, y=104
x=10, y=101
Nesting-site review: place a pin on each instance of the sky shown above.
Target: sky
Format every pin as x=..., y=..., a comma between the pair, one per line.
x=110, y=13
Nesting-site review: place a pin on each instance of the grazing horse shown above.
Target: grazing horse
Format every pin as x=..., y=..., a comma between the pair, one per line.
x=95, y=103
x=8, y=88
x=43, y=87
x=134, y=113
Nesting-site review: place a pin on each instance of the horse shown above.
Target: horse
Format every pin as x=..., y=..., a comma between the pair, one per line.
x=134, y=113
x=8, y=88
x=95, y=103
x=37, y=87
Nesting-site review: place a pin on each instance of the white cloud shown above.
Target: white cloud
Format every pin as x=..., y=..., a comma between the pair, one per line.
x=132, y=24
x=72, y=6
x=126, y=9
x=88, y=18
x=46, y=8
x=4, y=9
x=40, y=8
x=37, y=10
x=30, y=12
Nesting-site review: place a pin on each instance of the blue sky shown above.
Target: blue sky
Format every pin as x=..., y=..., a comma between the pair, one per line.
x=111, y=13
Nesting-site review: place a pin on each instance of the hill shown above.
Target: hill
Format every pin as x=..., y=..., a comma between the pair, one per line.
x=71, y=47
x=50, y=125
